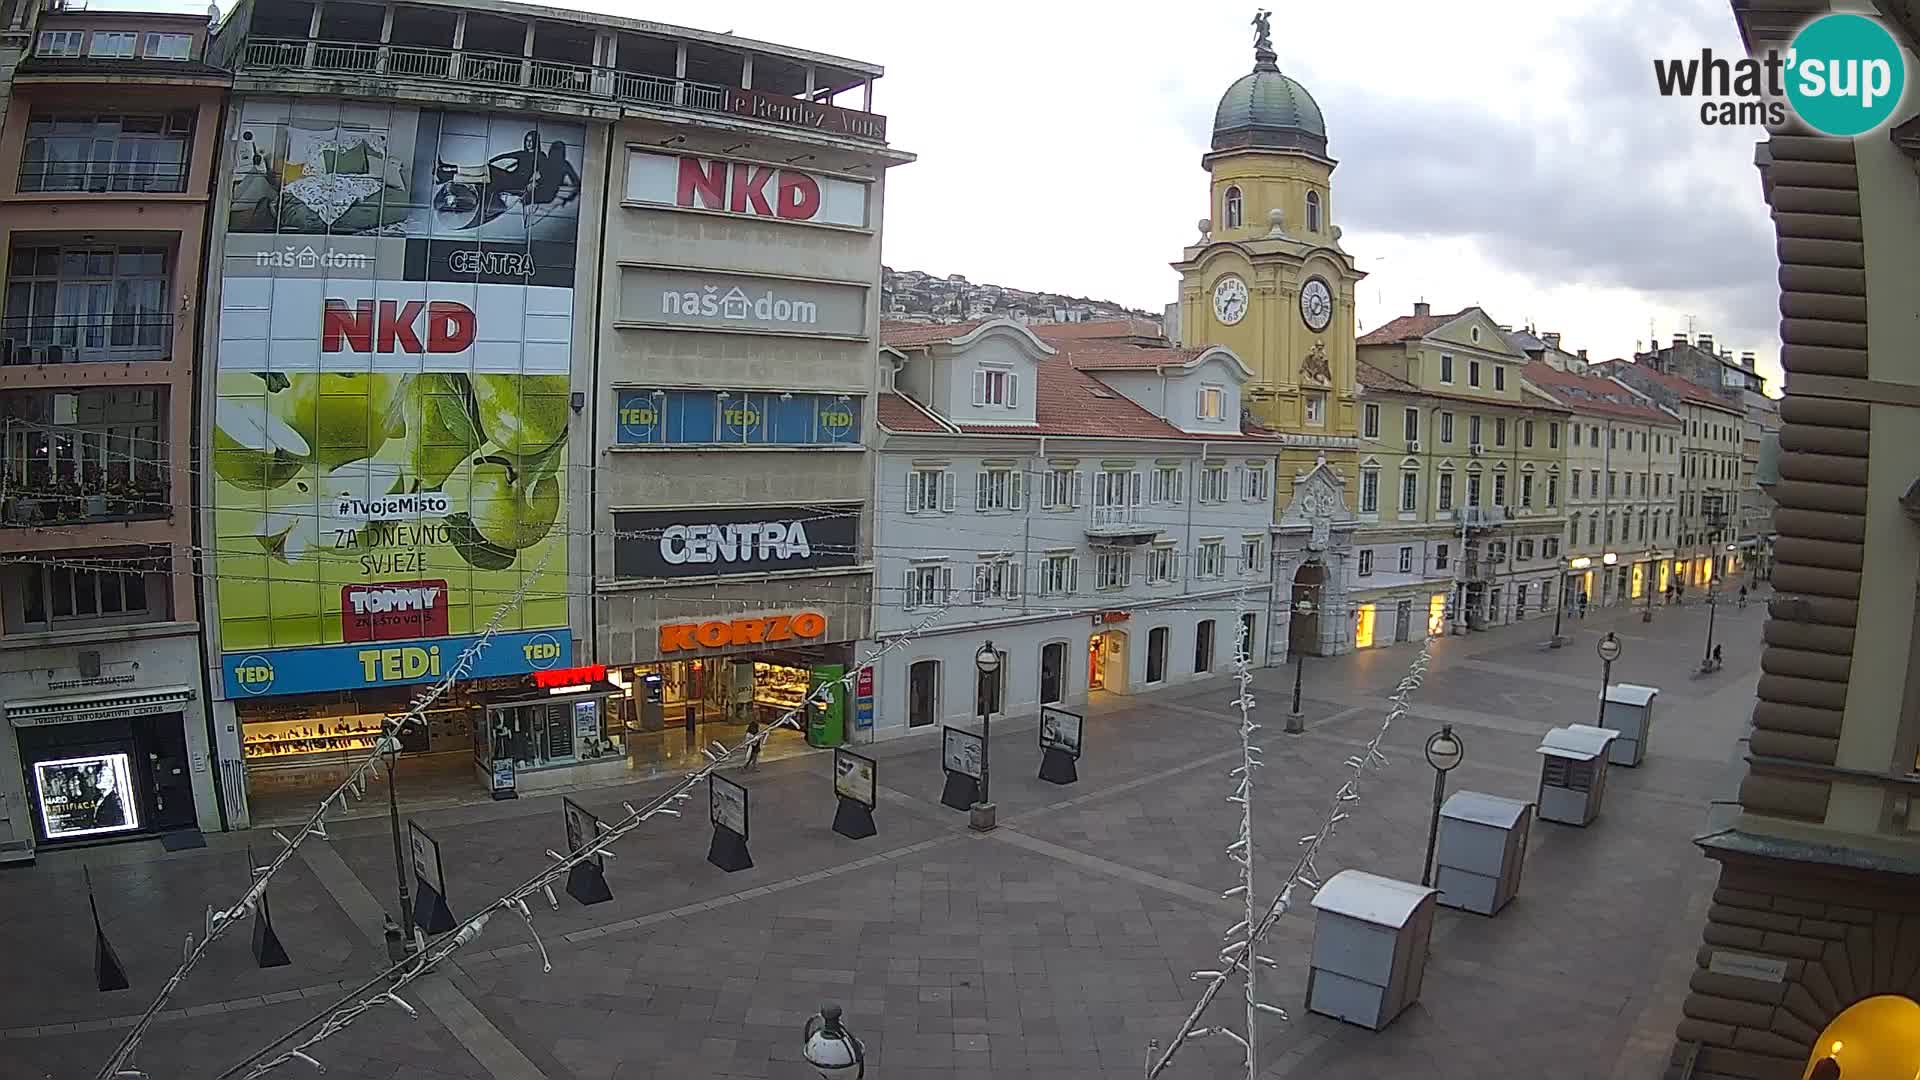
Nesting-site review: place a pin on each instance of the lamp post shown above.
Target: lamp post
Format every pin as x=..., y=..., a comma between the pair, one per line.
x=1444, y=752
x=1609, y=650
x=831, y=1049
x=1296, y=722
x=1713, y=606
x=399, y=858
x=1559, y=605
x=1646, y=586
x=987, y=662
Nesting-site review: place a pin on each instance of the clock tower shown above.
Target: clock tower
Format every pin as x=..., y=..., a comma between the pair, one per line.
x=1268, y=279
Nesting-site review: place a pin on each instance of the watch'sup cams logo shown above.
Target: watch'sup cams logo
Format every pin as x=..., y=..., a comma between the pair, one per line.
x=1844, y=75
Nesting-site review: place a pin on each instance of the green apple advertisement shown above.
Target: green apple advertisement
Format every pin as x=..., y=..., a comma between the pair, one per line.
x=389, y=445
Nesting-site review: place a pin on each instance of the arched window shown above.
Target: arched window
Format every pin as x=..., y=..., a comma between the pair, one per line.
x=1313, y=211
x=1232, y=211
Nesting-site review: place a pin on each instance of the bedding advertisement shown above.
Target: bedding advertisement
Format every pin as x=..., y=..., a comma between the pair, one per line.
x=389, y=451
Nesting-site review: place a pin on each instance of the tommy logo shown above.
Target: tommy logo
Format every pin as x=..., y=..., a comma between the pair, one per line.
x=393, y=610
x=392, y=326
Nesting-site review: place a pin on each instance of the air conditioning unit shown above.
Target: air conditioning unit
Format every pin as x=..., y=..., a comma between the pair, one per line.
x=1413, y=446
x=1477, y=449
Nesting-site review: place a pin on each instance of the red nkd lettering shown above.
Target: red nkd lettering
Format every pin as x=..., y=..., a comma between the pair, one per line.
x=703, y=184
x=799, y=196
x=750, y=190
x=391, y=326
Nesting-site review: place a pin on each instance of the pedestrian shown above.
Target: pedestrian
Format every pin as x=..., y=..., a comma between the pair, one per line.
x=1717, y=661
x=753, y=751
x=1743, y=596
x=1583, y=605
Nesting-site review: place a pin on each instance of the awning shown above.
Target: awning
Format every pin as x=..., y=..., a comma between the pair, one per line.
x=80, y=708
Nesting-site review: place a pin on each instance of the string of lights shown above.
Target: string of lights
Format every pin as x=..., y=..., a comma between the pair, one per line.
x=220, y=920
x=1241, y=954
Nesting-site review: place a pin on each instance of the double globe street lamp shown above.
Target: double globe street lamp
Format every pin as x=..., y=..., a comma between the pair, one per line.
x=987, y=661
x=1445, y=751
x=831, y=1049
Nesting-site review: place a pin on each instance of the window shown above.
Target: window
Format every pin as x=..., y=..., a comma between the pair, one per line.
x=1203, y=647
x=1114, y=569
x=1412, y=426
x=83, y=455
x=1211, y=560
x=1163, y=562
x=1369, y=491
x=113, y=44
x=1213, y=403
x=1576, y=434
x=1370, y=422
x=1446, y=367
x=1316, y=408
x=1473, y=335
x=1609, y=528
x=1576, y=483
x=1169, y=485
x=659, y=417
x=96, y=303
x=168, y=47
x=1643, y=524
x=1473, y=430
x=929, y=584
x=1313, y=211
x=1550, y=548
x=1440, y=554
x=85, y=592
x=1553, y=436
x=1473, y=489
x=995, y=578
x=1059, y=574
x=1593, y=437
x=1253, y=553
x=1553, y=490
x=61, y=42
x=930, y=491
x=1626, y=485
x=997, y=488
x=1526, y=489
x=1612, y=479
x=1499, y=431
x=1497, y=552
x=1499, y=377
x=1593, y=484
x=1523, y=550
x=1499, y=489
x=1406, y=560
x=1213, y=484
x=996, y=386
x=1409, y=491
x=1473, y=373
x=1444, y=501
x=1366, y=562
x=1253, y=482
x=1062, y=489
x=1232, y=211
x=1116, y=496
x=1526, y=434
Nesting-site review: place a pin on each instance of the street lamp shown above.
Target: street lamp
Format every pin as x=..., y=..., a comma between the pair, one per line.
x=987, y=662
x=1609, y=650
x=831, y=1049
x=1646, y=586
x=1295, y=722
x=1444, y=752
x=399, y=858
x=1707, y=664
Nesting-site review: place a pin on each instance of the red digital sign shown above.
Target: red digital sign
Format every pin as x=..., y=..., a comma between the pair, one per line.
x=573, y=676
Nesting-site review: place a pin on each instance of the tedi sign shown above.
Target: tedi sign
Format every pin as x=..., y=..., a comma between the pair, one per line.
x=726, y=541
x=749, y=188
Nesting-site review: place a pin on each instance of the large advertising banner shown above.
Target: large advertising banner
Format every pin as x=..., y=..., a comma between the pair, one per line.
x=389, y=442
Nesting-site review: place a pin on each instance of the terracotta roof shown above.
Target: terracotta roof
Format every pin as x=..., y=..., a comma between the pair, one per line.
x=1374, y=378
x=1104, y=329
x=1407, y=328
x=1591, y=394
x=897, y=412
x=1120, y=356
x=908, y=335
x=1674, y=384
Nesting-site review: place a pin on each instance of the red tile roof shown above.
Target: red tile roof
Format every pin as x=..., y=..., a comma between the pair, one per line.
x=907, y=335
x=1407, y=328
x=1104, y=329
x=1120, y=356
x=1376, y=379
x=1372, y=378
x=1674, y=384
x=1591, y=394
x=897, y=412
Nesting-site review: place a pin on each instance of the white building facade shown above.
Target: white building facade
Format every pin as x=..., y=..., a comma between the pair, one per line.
x=1107, y=533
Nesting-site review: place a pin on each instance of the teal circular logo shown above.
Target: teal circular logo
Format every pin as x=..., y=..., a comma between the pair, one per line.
x=1845, y=74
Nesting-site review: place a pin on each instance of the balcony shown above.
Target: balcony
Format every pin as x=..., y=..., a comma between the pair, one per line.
x=83, y=456
x=92, y=501
x=790, y=101
x=1120, y=526
x=104, y=178
x=77, y=339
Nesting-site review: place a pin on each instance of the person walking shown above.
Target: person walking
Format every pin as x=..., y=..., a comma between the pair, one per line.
x=1743, y=596
x=753, y=752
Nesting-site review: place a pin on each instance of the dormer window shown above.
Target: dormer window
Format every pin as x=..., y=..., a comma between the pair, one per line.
x=1232, y=211
x=112, y=44
x=1313, y=211
x=1213, y=403
x=168, y=47
x=61, y=42
x=996, y=386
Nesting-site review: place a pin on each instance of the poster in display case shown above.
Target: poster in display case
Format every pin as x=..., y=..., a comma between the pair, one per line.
x=961, y=752
x=853, y=777
x=86, y=796
x=727, y=805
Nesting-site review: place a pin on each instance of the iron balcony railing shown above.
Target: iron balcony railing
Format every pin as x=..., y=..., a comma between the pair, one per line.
x=104, y=177
x=75, y=339
x=267, y=55
x=1111, y=517
x=70, y=504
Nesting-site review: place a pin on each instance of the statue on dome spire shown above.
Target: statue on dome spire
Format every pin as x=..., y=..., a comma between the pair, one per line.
x=1264, y=58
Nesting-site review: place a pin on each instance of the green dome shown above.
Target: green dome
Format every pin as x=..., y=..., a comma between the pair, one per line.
x=1267, y=109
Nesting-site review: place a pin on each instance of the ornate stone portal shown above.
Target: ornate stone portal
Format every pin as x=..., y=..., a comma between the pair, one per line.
x=1312, y=543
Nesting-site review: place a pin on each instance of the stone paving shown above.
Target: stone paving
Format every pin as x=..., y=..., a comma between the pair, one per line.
x=1055, y=947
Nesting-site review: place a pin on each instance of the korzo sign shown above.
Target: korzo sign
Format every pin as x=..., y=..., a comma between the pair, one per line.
x=750, y=189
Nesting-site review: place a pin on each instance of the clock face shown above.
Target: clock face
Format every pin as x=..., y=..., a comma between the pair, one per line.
x=1230, y=300
x=1316, y=304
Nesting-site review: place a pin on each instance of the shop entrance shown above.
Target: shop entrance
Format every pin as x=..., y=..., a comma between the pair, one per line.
x=101, y=779
x=1403, y=621
x=923, y=693
x=1053, y=672
x=1107, y=661
x=1303, y=622
x=671, y=710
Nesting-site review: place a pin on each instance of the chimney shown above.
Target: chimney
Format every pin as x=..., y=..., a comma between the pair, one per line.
x=1705, y=343
x=1746, y=360
x=1552, y=340
x=1679, y=340
x=1421, y=307
x=1583, y=355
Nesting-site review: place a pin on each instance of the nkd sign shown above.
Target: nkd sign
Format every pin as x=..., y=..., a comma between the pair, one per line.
x=699, y=542
x=655, y=296
x=743, y=187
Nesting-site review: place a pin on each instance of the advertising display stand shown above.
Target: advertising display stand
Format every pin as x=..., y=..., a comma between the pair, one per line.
x=268, y=952
x=960, y=757
x=1370, y=937
x=587, y=880
x=1061, y=734
x=108, y=973
x=727, y=806
x=430, y=911
x=856, y=789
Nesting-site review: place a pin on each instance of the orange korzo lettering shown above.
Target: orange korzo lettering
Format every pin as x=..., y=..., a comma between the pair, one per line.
x=716, y=634
x=777, y=629
x=676, y=636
